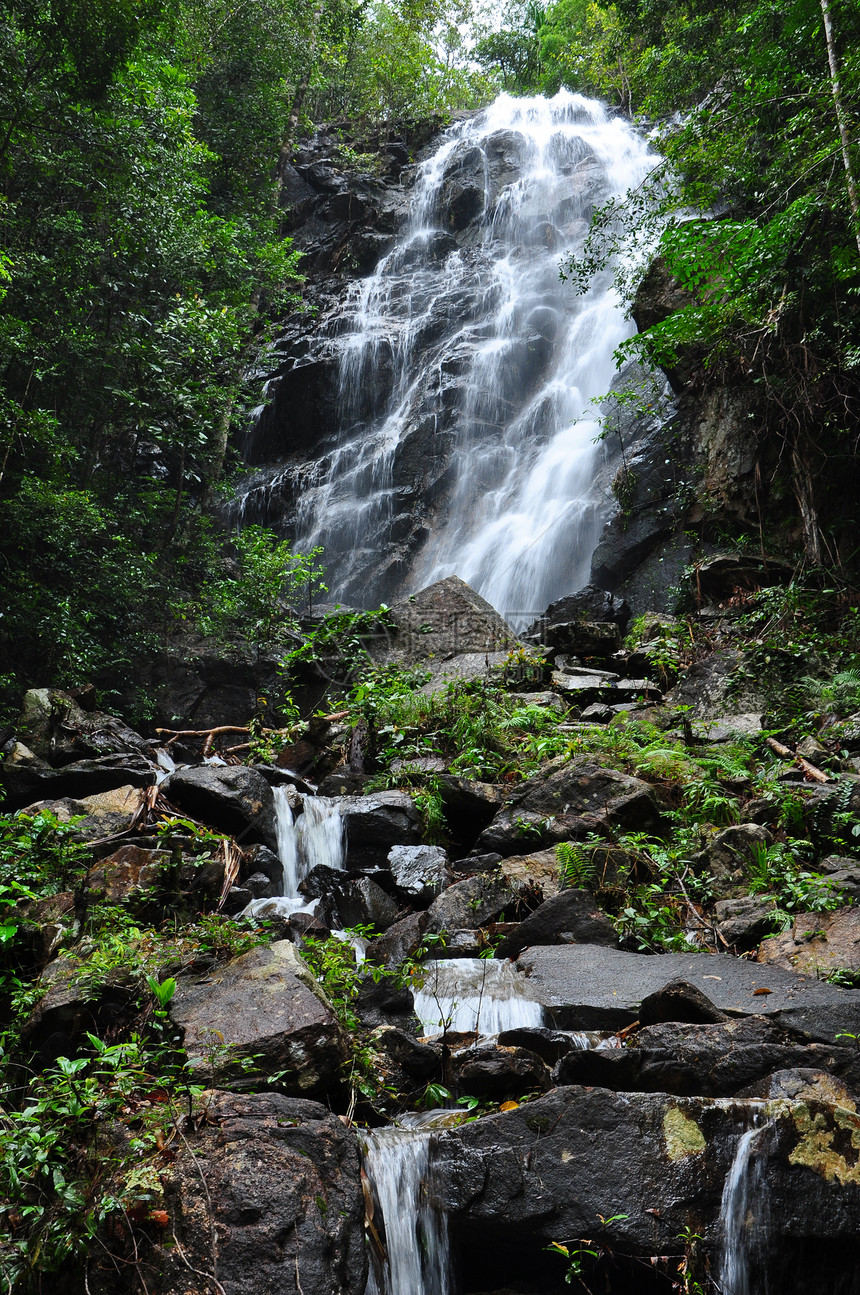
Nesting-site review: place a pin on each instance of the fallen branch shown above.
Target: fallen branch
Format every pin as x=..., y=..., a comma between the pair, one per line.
x=811, y=772
x=210, y=734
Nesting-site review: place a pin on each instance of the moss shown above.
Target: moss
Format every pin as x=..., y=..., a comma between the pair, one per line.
x=829, y=1142
x=683, y=1135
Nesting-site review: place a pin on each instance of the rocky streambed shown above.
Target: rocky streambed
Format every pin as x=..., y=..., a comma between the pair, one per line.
x=516, y=1069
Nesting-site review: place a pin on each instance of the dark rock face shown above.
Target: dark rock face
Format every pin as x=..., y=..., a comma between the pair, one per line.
x=234, y=798
x=257, y=1015
x=569, y=803
x=517, y=1181
x=571, y=917
x=376, y=822
x=400, y=941
x=471, y=903
x=501, y=1072
x=265, y=1196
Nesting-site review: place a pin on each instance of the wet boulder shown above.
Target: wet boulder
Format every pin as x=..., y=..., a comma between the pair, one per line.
x=571, y=917
x=567, y=804
x=517, y=1181
x=376, y=822
x=232, y=798
x=470, y=903
x=500, y=1072
x=258, y=1015
x=359, y=901
x=420, y=872
x=271, y=1185
x=723, y=1060
x=586, y=987
x=402, y=940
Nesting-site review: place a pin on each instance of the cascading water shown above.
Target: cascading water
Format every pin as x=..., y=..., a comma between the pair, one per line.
x=743, y=1214
x=482, y=994
x=416, y=1257
x=467, y=369
x=315, y=837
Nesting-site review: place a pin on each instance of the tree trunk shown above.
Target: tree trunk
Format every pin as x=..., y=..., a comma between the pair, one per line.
x=804, y=490
x=299, y=97
x=842, y=119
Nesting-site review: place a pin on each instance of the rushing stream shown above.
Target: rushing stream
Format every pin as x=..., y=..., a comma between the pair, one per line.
x=466, y=371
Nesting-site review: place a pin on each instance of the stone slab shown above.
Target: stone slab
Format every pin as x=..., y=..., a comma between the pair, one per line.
x=587, y=987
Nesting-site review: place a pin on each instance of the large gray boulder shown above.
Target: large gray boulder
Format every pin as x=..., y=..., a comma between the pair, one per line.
x=446, y=619
x=259, y=1015
x=585, y=987
x=263, y=1195
x=231, y=798
x=566, y=804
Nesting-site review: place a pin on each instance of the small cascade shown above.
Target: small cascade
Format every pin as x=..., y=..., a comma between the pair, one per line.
x=743, y=1215
x=482, y=994
x=320, y=835
x=416, y=1258
x=288, y=842
x=306, y=840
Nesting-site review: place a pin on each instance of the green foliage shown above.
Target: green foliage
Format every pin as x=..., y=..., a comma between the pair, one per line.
x=38, y=857
x=260, y=600
x=576, y=865
x=777, y=872
x=479, y=729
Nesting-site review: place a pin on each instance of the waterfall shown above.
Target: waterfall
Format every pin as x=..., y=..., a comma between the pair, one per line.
x=416, y=1256
x=743, y=1215
x=467, y=370
x=464, y=994
x=315, y=837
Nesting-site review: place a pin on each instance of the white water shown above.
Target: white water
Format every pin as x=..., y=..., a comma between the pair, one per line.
x=482, y=994
x=315, y=837
x=489, y=327
x=743, y=1215
x=416, y=1261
